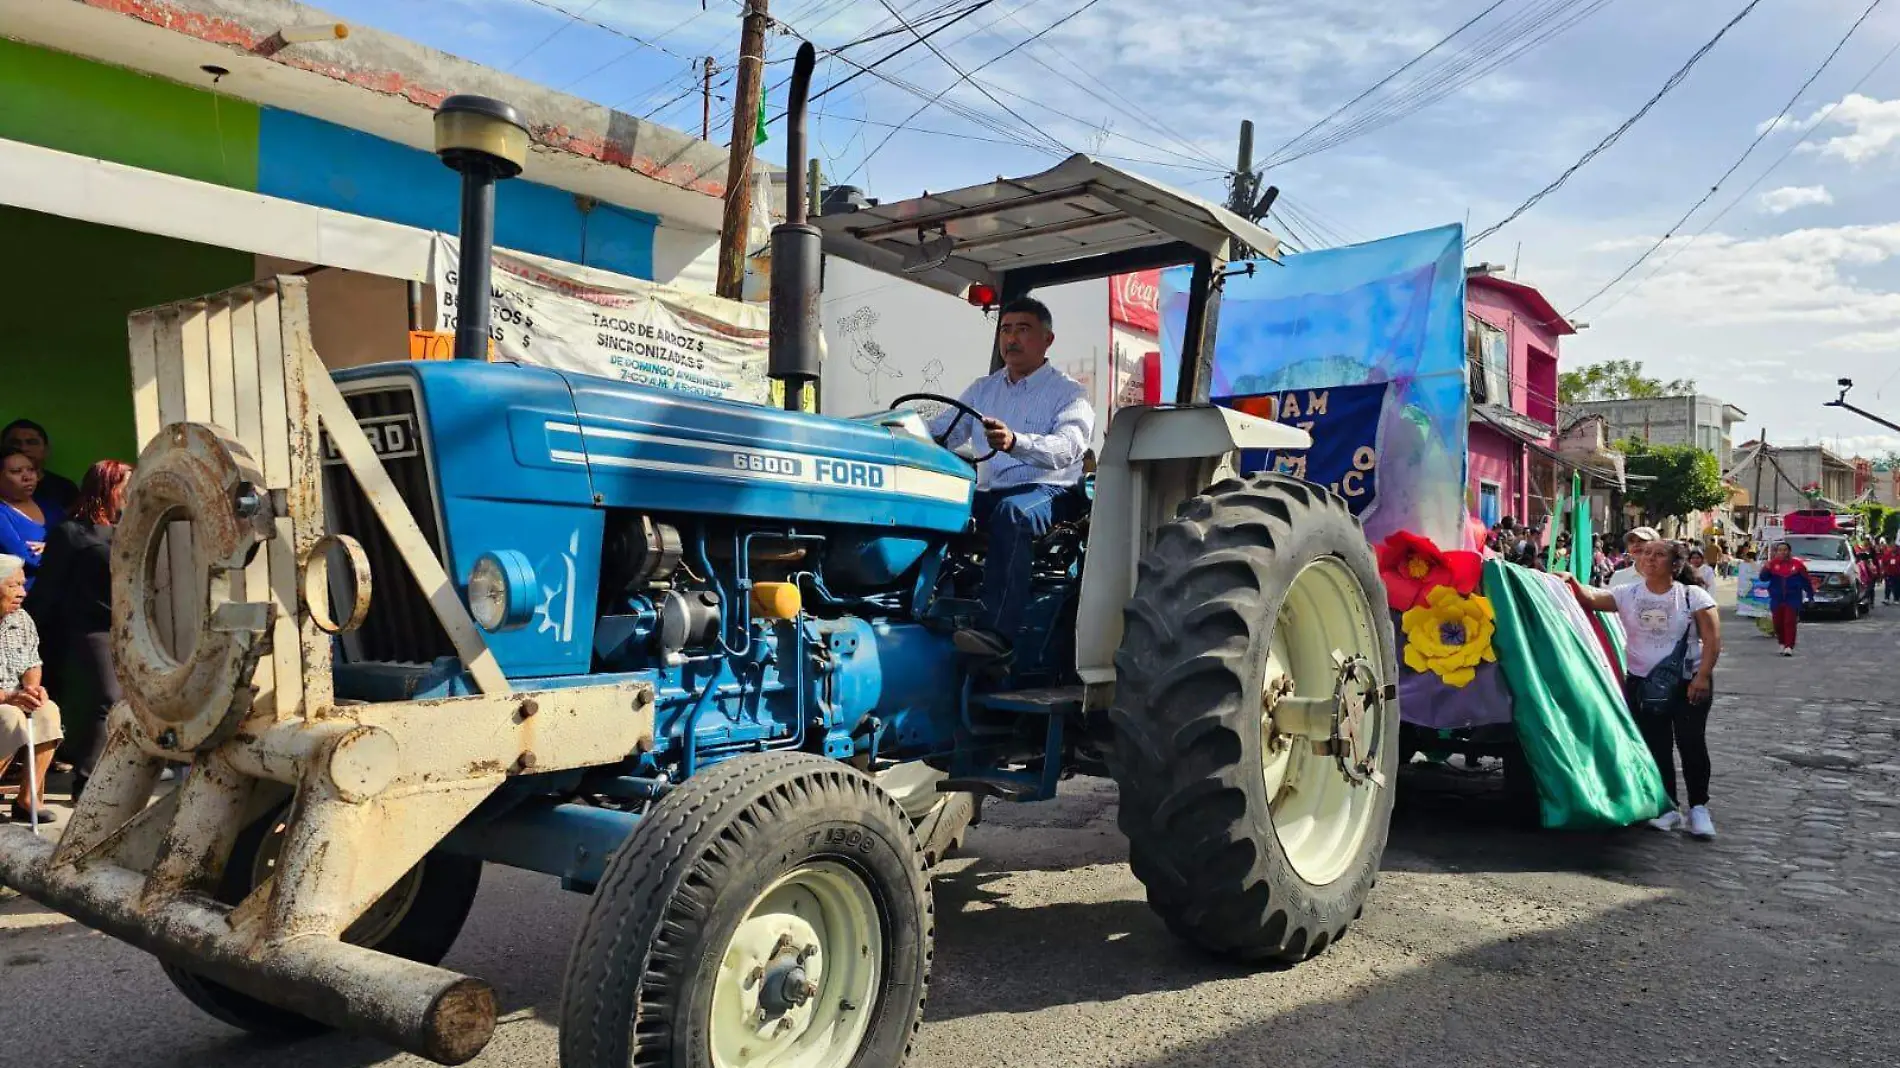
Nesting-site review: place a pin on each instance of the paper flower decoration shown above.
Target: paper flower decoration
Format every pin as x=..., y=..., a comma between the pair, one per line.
x=1412, y=566
x=1450, y=635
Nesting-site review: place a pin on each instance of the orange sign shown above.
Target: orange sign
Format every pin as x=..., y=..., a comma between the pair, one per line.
x=437, y=345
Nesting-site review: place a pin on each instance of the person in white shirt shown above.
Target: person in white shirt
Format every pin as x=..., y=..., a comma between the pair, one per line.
x=1040, y=423
x=1633, y=543
x=1699, y=563
x=1661, y=614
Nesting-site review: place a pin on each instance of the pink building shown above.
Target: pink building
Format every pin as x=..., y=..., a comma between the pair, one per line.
x=1512, y=335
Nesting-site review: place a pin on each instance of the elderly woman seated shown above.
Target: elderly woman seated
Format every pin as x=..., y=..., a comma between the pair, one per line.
x=28, y=718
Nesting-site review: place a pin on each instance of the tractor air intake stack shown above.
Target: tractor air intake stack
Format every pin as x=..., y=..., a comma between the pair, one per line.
x=796, y=256
x=485, y=141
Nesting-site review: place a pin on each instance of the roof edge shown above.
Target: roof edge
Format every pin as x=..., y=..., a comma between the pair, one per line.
x=396, y=67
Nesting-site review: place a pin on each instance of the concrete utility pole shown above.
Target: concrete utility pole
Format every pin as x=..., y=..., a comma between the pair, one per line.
x=748, y=86
x=705, y=101
x=1240, y=184
x=1761, y=461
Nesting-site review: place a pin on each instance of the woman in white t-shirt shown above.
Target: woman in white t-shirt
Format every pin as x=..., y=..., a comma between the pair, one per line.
x=1666, y=610
x=1704, y=573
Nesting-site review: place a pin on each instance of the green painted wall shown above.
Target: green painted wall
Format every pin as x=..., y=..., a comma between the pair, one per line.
x=63, y=355
x=75, y=105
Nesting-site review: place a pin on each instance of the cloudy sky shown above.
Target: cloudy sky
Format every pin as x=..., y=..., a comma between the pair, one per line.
x=1794, y=285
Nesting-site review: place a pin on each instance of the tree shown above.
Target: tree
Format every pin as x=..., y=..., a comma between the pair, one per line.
x=1617, y=380
x=1678, y=479
x=1875, y=518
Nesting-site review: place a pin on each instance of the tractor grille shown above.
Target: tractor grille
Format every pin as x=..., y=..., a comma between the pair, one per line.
x=400, y=626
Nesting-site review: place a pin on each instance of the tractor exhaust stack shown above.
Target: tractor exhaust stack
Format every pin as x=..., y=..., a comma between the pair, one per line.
x=794, y=354
x=484, y=140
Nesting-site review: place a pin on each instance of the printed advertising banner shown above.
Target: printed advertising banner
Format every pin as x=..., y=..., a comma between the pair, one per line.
x=577, y=319
x=1374, y=335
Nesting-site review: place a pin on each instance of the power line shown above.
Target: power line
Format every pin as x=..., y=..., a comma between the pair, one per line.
x=863, y=69
x=552, y=34
x=964, y=76
x=1012, y=49
x=1813, y=126
x=573, y=16
x=1497, y=46
x=1762, y=135
x=1018, y=144
x=1617, y=134
x=615, y=61
x=1497, y=49
x=1140, y=114
x=1381, y=83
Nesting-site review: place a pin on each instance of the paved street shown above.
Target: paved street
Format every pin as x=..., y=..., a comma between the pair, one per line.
x=1778, y=944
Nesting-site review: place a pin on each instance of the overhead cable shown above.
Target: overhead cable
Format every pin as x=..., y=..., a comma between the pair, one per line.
x=1766, y=129
x=1617, y=134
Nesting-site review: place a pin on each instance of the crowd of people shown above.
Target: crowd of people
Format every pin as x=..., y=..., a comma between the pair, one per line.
x=1661, y=592
x=55, y=613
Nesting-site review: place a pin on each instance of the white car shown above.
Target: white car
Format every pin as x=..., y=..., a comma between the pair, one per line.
x=1837, y=578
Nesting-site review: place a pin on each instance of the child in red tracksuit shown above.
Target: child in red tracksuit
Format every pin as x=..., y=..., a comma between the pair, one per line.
x=1789, y=587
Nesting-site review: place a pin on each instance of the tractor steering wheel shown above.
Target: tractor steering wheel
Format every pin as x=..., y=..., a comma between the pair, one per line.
x=962, y=411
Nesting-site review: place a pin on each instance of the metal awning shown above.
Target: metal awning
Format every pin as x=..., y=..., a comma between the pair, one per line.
x=1079, y=210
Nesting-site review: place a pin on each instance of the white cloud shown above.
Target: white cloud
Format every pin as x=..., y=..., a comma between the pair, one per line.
x=1799, y=277
x=1873, y=128
x=1789, y=197
x=1867, y=341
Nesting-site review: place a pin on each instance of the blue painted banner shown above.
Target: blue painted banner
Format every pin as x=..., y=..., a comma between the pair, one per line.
x=1387, y=316
x=1344, y=422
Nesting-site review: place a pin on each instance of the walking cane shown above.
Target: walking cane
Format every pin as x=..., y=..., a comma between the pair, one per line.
x=32, y=778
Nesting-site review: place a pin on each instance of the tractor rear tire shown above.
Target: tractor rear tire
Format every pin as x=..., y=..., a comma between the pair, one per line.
x=757, y=879
x=1259, y=577
x=420, y=919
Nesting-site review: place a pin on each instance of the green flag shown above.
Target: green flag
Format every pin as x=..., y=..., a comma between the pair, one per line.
x=760, y=134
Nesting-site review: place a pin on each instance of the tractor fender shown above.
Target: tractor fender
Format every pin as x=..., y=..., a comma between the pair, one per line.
x=1153, y=459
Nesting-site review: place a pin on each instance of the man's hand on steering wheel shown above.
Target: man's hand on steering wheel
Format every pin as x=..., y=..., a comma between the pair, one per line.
x=963, y=410
x=1000, y=436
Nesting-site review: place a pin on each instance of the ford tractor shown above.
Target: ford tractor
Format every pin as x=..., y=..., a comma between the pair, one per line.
x=695, y=658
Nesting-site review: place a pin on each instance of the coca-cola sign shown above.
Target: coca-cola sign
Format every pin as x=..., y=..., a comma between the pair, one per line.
x=1134, y=300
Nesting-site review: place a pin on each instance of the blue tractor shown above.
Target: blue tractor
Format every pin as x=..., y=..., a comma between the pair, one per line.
x=781, y=589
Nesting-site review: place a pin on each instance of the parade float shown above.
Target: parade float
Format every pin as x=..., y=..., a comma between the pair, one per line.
x=1364, y=348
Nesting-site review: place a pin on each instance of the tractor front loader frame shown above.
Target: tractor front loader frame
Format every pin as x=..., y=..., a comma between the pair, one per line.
x=221, y=632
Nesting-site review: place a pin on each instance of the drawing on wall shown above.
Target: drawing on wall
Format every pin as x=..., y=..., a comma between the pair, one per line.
x=867, y=356
x=933, y=376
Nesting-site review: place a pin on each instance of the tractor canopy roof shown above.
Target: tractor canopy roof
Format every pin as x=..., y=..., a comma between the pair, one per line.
x=1080, y=219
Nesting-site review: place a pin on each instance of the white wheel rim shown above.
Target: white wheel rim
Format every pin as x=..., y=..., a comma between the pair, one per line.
x=1321, y=814
x=825, y=913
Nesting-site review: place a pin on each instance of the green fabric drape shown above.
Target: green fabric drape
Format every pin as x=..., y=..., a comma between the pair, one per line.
x=1591, y=766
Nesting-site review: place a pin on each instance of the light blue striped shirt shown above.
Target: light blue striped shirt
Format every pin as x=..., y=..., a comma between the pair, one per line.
x=1052, y=418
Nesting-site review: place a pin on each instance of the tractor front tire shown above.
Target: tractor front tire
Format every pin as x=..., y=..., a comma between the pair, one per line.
x=1254, y=842
x=773, y=908
x=418, y=919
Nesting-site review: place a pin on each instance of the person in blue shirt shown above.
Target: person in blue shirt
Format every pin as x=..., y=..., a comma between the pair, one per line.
x=24, y=520
x=32, y=439
x=1040, y=423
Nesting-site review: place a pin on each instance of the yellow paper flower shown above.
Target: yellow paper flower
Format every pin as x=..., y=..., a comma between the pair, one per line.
x=1450, y=635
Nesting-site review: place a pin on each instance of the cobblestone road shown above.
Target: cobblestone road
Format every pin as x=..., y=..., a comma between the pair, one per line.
x=1483, y=945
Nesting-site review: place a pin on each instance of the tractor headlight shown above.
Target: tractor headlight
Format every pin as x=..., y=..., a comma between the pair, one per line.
x=501, y=591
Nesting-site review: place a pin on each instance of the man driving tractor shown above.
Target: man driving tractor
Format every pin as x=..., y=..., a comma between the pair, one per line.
x=1040, y=423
